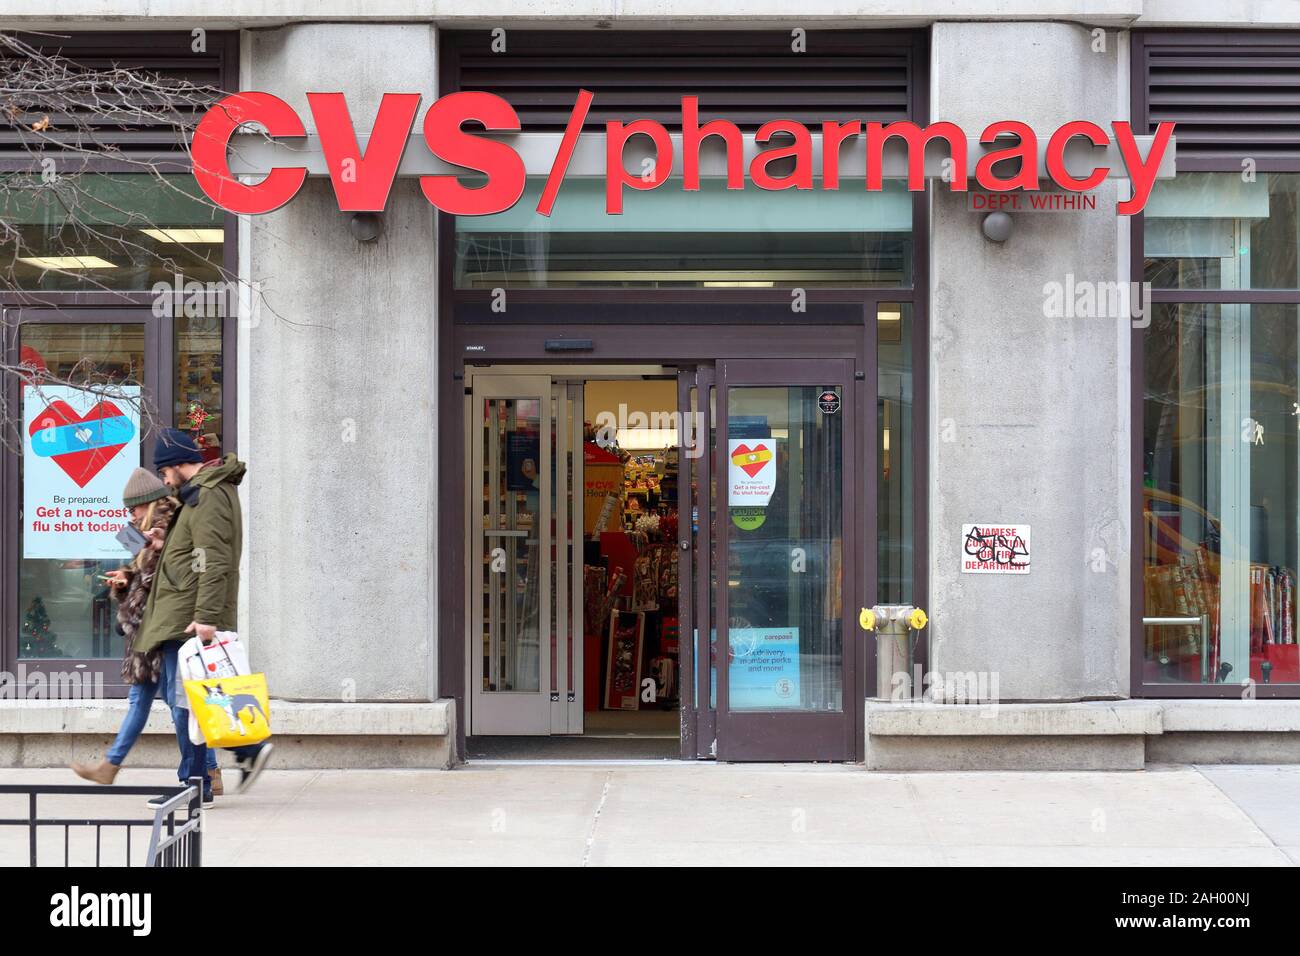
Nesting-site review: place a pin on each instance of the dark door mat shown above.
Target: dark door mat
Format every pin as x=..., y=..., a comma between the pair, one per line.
x=573, y=748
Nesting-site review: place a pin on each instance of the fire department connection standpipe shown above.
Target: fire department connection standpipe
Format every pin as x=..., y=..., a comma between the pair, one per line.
x=895, y=626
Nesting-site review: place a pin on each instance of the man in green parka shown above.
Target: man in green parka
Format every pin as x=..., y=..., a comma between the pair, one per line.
x=196, y=588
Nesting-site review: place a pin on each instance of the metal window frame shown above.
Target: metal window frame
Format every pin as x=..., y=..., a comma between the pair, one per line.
x=1143, y=40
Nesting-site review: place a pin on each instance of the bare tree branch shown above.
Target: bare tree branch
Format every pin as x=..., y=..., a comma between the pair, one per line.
x=97, y=157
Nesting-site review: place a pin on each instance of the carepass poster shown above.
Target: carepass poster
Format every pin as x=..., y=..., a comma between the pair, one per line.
x=764, y=672
x=79, y=449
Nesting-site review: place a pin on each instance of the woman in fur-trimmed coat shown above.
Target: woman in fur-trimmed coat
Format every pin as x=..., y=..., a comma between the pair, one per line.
x=152, y=508
x=138, y=668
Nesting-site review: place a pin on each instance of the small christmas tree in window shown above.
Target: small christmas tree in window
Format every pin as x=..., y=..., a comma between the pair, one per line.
x=195, y=416
x=36, y=639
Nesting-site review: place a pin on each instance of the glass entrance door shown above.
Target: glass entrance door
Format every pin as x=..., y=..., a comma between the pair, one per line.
x=767, y=560
x=783, y=556
x=525, y=543
x=510, y=530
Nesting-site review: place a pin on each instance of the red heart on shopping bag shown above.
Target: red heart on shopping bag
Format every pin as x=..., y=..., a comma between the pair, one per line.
x=80, y=466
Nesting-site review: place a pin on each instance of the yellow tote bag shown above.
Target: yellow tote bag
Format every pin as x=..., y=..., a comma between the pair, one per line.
x=231, y=711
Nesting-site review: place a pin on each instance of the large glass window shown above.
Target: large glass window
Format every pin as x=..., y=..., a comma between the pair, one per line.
x=64, y=607
x=1221, y=538
x=1221, y=432
x=107, y=231
x=713, y=238
x=1224, y=231
x=111, y=232
x=78, y=370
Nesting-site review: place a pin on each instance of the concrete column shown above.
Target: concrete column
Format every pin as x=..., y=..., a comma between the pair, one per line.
x=338, y=425
x=1030, y=411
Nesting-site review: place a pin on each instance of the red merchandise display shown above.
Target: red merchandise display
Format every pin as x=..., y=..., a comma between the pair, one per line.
x=617, y=549
x=623, y=653
x=630, y=575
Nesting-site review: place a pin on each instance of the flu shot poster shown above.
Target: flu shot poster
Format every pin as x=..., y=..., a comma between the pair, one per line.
x=79, y=449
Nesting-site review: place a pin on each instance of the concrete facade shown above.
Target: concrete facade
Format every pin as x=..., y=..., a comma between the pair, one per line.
x=174, y=14
x=1029, y=413
x=1095, y=735
x=341, y=371
x=49, y=733
x=1030, y=418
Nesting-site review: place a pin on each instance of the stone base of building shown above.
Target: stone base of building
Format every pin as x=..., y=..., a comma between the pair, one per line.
x=1091, y=735
x=307, y=735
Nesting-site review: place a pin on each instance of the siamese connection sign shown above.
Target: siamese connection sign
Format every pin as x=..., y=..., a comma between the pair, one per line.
x=995, y=549
x=363, y=177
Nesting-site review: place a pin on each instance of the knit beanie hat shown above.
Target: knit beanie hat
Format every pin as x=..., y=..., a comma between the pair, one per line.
x=175, y=447
x=143, y=487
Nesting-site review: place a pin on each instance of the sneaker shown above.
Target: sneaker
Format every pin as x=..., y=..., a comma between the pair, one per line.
x=209, y=800
x=252, y=769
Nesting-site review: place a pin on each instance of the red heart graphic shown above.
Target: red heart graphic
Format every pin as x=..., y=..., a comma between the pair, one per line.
x=754, y=467
x=80, y=466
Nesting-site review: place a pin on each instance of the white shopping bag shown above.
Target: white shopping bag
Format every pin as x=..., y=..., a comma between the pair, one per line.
x=224, y=657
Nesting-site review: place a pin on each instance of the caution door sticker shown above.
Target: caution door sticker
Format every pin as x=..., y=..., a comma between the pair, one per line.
x=751, y=480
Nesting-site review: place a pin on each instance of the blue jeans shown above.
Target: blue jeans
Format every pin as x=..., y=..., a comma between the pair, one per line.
x=137, y=714
x=194, y=757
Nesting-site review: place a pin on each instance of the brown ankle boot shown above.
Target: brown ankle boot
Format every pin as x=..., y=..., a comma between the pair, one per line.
x=214, y=777
x=102, y=772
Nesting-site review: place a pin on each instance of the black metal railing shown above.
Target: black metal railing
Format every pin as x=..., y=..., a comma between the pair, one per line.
x=172, y=842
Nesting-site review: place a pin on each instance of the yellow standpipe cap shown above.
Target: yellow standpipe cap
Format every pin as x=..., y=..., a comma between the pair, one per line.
x=867, y=619
x=917, y=620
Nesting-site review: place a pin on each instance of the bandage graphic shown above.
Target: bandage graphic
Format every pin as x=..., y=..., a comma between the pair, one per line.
x=751, y=460
x=55, y=440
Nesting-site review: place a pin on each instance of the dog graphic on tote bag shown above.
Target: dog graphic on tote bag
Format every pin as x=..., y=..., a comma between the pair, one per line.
x=233, y=705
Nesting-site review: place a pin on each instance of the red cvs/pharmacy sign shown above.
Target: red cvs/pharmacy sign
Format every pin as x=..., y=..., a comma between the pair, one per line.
x=362, y=180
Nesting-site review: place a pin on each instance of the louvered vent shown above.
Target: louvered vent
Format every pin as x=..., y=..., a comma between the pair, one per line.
x=1231, y=96
x=149, y=113
x=748, y=78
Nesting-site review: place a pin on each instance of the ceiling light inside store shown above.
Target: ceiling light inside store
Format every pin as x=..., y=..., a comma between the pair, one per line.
x=739, y=284
x=883, y=317
x=645, y=439
x=184, y=236
x=67, y=262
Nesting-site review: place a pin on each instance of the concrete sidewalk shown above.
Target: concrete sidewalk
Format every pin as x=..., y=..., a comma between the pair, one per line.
x=661, y=814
